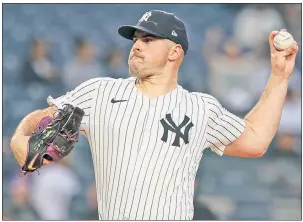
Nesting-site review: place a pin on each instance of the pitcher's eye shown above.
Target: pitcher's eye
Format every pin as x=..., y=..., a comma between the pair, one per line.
x=148, y=39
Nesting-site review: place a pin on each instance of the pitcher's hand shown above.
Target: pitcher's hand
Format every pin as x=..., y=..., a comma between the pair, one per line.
x=282, y=62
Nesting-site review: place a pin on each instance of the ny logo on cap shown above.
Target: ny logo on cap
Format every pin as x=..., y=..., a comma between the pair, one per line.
x=145, y=17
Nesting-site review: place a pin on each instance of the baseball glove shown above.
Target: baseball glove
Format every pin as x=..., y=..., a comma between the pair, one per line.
x=54, y=137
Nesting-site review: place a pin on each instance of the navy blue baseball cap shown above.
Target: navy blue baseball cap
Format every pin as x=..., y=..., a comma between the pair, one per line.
x=159, y=24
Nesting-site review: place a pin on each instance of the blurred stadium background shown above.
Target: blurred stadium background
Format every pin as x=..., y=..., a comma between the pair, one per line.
x=48, y=49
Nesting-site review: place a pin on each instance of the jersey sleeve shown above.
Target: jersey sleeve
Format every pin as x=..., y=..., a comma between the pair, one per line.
x=222, y=126
x=82, y=97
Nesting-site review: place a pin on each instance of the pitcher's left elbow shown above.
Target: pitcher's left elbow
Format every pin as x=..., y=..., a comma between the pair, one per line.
x=260, y=150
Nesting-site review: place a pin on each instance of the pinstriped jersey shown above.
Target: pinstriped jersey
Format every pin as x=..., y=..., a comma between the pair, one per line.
x=145, y=151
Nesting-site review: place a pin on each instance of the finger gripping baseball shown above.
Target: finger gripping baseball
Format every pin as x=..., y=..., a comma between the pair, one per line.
x=54, y=137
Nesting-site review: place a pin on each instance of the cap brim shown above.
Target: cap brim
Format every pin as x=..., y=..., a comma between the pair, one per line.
x=128, y=31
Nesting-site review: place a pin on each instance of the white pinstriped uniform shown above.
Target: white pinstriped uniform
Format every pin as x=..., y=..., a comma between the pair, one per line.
x=140, y=174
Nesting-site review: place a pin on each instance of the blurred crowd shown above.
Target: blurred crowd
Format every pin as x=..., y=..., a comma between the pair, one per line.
x=49, y=49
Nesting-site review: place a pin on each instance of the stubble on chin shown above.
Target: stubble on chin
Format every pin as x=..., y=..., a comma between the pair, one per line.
x=133, y=71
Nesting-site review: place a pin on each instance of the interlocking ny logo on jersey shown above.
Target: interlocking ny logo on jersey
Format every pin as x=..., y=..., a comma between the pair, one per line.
x=171, y=126
x=145, y=17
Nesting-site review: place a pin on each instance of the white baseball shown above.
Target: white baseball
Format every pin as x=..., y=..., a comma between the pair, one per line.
x=283, y=40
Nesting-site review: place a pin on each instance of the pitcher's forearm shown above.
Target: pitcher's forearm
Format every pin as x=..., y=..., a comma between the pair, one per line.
x=19, y=141
x=265, y=117
x=31, y=121
x=19, y=147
